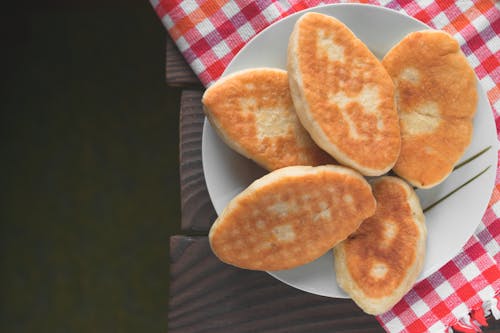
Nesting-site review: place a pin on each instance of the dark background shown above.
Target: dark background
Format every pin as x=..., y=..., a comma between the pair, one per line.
x=89, y=168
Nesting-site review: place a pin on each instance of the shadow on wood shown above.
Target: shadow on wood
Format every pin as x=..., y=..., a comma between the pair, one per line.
x=207, y=295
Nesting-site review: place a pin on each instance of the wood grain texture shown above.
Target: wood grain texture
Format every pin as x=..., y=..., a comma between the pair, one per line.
x=198, y=213
x=178, y=72
x=207, y=295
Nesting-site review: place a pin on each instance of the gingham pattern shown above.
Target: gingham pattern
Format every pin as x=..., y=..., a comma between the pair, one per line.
x=447, y=295
x=210, y=33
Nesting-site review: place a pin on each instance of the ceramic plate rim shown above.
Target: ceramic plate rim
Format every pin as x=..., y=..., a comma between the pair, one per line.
x=250, y=45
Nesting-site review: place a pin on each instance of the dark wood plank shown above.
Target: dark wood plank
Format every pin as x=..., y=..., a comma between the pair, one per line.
x=207, y=295
x=178, y=72
x=198, y=213
x=494, y=325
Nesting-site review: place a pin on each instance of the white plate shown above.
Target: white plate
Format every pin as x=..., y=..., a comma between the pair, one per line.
x=450, y=224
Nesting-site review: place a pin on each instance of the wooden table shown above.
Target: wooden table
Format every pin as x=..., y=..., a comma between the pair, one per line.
x=207, y=295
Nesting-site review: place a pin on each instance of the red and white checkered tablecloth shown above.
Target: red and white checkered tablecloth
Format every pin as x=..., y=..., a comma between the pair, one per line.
x=210, y=33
